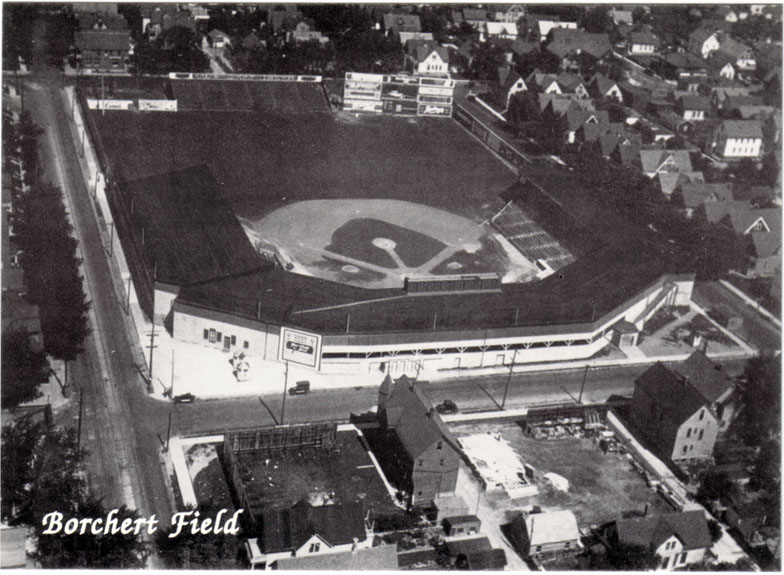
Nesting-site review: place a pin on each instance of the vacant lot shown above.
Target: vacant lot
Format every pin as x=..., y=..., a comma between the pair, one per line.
x=267, y=160
x=602, y=486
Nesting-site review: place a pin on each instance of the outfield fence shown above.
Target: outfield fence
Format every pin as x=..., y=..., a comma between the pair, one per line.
x=245, y=77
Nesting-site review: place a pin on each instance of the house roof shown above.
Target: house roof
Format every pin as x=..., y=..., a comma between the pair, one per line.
x=416, y=423
x=568, y=82
x=666, y=389
x=644, y=38
x=704, y=376
x=421, y=49
x=551, y=527
x=203, y=242
x=507, y=77
x=289, y=529
x=89, y=20
x=501, y=28
x=695, y=103
x=700, y=35
x=621, y=16
x=766, y=244
x=521, y=47
x=733, y=48
x=697, y=193
x=488, y=560
x=690, y=527
x=652, y=160
x=576, y=118
x=474, y=14
x=566, y=41
x=669, y=181
x=627, y=154
x=102, y=40
x=381, y=558
x=402, y=22
x=466, y=546
x=741, y=128
x=723, y=92
x=602, y=83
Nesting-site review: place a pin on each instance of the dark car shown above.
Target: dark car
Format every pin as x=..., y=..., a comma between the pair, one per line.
x=301, y=388
x=447, y=407
x=184, y=398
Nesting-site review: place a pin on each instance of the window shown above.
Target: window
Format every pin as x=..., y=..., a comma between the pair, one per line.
x=441, y=462
x=234, y=340
x=701, y=432
x=213, y=336
x=688, y=433
x=244, y=345
x=683, y=558
x=314, y=547
x=206, y=334
x=219, y=337
x=421, y=462
x=685, y=448
x=702, y=414
x=440, y=444
x=538, y=548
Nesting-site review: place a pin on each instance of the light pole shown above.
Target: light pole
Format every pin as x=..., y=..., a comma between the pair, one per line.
x=508, y=378
x=285, y=388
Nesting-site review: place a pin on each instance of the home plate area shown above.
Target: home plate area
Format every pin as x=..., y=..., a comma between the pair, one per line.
x=378, y=243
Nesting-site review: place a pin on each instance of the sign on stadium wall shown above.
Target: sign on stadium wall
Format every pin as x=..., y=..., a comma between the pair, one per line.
x=244, y=77
x=398, y=94
x=158, y=105
x=93, y=104
x=300, y=347
x=434, y=110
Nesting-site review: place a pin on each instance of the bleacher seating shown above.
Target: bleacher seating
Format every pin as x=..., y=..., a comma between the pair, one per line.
x=529, y=238
x=231, y=95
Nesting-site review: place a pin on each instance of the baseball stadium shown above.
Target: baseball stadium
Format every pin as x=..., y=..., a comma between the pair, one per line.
x=255, y=218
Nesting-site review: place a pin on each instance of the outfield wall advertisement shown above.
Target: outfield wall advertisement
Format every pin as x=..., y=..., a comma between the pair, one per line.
x=300, y=347
x=398, y=94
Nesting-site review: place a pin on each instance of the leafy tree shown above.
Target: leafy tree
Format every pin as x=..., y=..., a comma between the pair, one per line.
x=714, y=485
x=52, y=269
x=542, y=60
x=486, y=60
x=189, y=551
x=23, y=369
x=177, y=49
x=60, y=28
x=715, y=530
x=760, y=415
x=597, y=19
x=633, y=558
x=523, y=107
x=767, y=466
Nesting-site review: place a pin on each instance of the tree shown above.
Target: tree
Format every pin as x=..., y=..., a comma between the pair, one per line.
x=715, y=530
x=597, y=19
x=189, y=551
x=767, y=466
x=23, y=369
x=486, y=60
x=177, y=49
x=760, y=414
x=523, y=107
x=713, y=486
x=633, y=558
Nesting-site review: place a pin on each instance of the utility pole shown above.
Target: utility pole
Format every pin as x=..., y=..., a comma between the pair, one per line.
x=509, y=378
x=285, y=388
x=168, y=433
x=128, y=296
x=152, y=345
x=585, y=377
x=171, y=387
x=111, y=239
x=103, y=99
x=79, y=425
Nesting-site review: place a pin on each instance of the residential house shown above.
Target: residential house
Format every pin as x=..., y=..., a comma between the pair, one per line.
x=95, y=7
x=381, y=558
x=693, y=195
x=621, y=17
x=746, y=107
x=304, y=32
x=678, y=539
x=545, y=534
x=510, y=13
x=543, y=83
x=396, y=22
x=643, y=43
x=428, y=58
x=713, y=384
x=218, y=39
x=626, y=153
x=652, y=162
x=572, y=84
x=521, y=48
x=737, y=139
x=460, y=525
x=157, y=18
x=554, y=106
x=284, y=18
x=703, y=41
x=509, y=84
x=252, y=41
x=693, y=107
x=476, y=18
x=747, y=518
x=578, y=50
x=670, y=181
x=688, y=70
x=306, y=530
x=430, y=456
x=761, y=226
x=502, y=30
x=100, y=21
x=405, y=37
x=722, y=66
x=600, y=86
x=103, y=50
x=673, y=416
x=545, y=24
x=741, y=54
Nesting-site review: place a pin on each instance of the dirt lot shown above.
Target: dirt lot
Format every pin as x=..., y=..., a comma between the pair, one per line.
x=602, y=486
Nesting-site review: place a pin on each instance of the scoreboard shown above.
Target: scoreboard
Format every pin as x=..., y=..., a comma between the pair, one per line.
x=398, y=94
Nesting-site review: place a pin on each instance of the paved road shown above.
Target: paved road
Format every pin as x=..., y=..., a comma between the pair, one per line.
x=756, y=329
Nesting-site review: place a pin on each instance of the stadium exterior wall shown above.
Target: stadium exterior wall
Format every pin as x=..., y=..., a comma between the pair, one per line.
x=430, y=352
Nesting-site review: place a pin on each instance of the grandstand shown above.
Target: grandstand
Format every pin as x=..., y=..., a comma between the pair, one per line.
x=214, y=96
x=529, y=238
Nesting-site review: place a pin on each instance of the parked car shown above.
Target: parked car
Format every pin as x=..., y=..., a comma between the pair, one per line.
x=447, y=407
x=184, y=398
x=301, y=388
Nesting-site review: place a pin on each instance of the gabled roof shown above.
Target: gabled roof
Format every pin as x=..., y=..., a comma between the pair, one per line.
x=666, y=389
x=501, y=28
x=704, y=376
x=474, y=14
x=416, y=423
x=685, y=61
x=566, y=41
x=289, y=529
x=690, y=527
x=652, y=160
x=741, y=128
x=700, y=35
x=695, y=103
x=551, y=527
x=621, y=16
x=644, y=38
x=103, y=40
x=697, y=193
x=766, y=244
x=602, y=83
x=569, y=82
x=577, y=118
x=521, y=47
x=421, y=49
x=507, y=77
x=735, y=49
x=402, y=22
x=380, y=558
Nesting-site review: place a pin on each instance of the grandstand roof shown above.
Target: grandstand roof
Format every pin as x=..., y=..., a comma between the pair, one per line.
x=203, y=242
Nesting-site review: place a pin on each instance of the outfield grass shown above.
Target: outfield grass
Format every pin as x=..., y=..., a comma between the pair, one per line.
x=265, y=161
